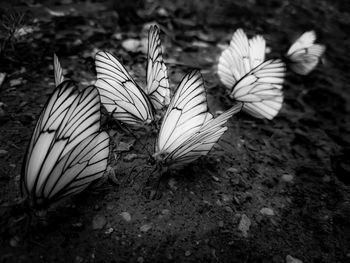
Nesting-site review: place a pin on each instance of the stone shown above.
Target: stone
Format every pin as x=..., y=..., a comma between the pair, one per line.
x=99, y=222
x=145, y=227
x=288, y=178
x=244, y=225
x=267, y=211
x=126, y=216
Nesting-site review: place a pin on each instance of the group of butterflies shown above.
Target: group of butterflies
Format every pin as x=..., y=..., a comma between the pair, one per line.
x=68, y=150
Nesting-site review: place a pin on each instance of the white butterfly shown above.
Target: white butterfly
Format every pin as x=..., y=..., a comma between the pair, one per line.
x=304, y=54
x=67, y=151
x=250, y=80
x=188, y=130
x=59, y=78
x=121, y=95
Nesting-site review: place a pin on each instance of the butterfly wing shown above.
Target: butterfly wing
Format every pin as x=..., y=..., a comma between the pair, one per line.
x=185, y=115
x=304, y=55
x=68, y=118
x=240, y=44
x=261, y=89
x=306, y=60
x=306, y=40
x=119, y=93
x=81, y=166
x=157, y=77
x=203, y=140
x=59, y=78
x=240, y=57
x=230, y=68
x=257, y=46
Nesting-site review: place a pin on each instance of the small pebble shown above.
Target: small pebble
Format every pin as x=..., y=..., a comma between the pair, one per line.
x=130, y=157
x=79, y=259
x=15, y=82
x=14, y=241
x=326, y=179
x=110, y=206
x=145, y=227
x=228, y=209
x=77, y=225
x=227, y=198
x=165, y=211
x=218, y=203
x=2, y=78
x=126, y=216
x=172, y=184
x=99, y=222
x=162, y=12
x=288, y=178
x=109, y=231
x=117, y=36
x=216, y=179
x=3, y=152
x=131, y=45
x=267, y=211
x=290, y=259
x=244, y=225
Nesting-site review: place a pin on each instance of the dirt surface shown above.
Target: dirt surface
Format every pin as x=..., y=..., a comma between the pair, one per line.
x=269, y=189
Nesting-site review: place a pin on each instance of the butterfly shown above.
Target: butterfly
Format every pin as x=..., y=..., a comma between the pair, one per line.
x=59, y=78
x=67, y=151
x=304, y=55
x=188, y=130
x=122, y=96
x=251, y=80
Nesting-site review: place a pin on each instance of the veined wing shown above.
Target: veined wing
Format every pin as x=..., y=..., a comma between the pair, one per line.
x=306, y=40
x=305, y=60
x=261, y=89
x=157, y=77
x=67, y=119
x=201, y=142
x=304, y=55
x=82, y=165
x=257, y=46
x=261, y=101
x=230, y=68
x=240, y=57
x=270, y=72
x=240, y=44
x=185, y=115
x=119, y=93
x=59, y=78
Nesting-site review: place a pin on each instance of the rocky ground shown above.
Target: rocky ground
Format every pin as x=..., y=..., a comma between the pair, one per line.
x=270, y=191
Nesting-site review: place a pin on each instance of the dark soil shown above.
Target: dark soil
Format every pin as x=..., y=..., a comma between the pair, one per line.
x=296, y=166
